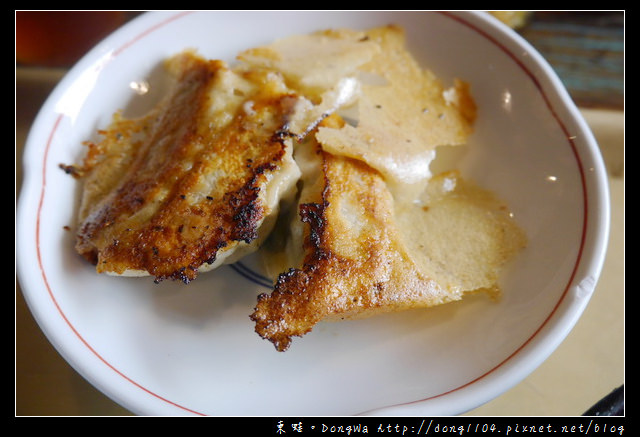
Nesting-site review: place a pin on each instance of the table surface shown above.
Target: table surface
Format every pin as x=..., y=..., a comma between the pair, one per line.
x=587, y=52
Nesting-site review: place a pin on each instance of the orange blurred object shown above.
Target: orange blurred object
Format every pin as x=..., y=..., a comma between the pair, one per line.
x=60, y=38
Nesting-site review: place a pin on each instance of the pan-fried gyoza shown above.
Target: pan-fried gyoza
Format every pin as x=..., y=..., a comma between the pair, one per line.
x=342, y=124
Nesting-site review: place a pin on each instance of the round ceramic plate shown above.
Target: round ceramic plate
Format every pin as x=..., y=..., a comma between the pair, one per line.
x=174, y=349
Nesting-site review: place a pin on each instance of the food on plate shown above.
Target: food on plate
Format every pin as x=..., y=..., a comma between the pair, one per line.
x=356, y=252
x=196, y=182
x=400, y=112
x=324, y=66
x=374, y=231
x=319, y=150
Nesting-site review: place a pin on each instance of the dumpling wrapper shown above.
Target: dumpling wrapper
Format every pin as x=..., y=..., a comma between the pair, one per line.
x=354, y=252
x=195, y=183
x=403, y=113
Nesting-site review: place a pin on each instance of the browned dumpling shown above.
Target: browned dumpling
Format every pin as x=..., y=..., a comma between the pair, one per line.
x=193, y=184
x=362, y=253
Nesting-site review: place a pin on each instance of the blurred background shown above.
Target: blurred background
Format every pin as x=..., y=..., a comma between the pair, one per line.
x=586, y=49
x=60, y=38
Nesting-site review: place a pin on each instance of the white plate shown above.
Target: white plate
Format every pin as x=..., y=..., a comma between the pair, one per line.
x=175, y=349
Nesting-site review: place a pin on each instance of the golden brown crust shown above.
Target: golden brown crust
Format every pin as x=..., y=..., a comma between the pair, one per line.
x=354, y=266
x=365, y=253
x=178, y=191
x=189, y=188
